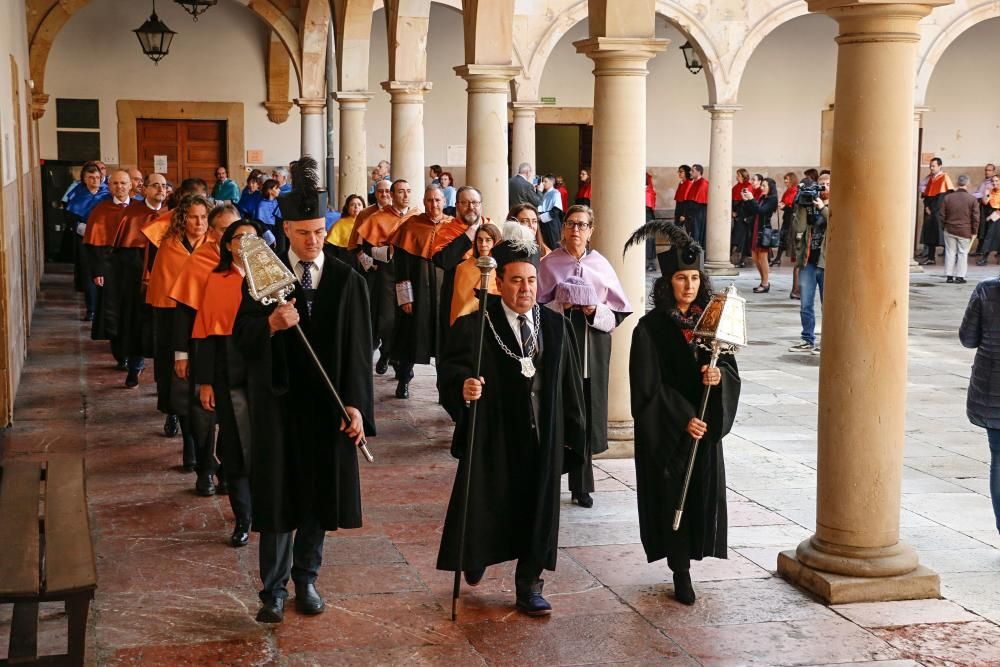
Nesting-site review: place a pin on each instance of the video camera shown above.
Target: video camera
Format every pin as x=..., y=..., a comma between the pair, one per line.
x=808, y=193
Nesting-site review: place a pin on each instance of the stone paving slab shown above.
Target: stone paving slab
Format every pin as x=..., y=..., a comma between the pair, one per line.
x=172, y=592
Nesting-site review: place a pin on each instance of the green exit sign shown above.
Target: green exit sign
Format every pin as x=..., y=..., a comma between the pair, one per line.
x=548, y=100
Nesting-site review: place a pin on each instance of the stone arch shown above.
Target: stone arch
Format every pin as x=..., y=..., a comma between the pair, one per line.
x=757, y=33
x=525, y=85
x=314, y=28
x=965, y=18
x=60, y=12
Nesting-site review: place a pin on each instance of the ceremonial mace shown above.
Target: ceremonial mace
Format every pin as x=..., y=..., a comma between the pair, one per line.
x=721, y=329
x=485, y=264
x=270, y=281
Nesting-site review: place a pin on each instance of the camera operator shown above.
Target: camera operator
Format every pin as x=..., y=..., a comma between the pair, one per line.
x=812, y=213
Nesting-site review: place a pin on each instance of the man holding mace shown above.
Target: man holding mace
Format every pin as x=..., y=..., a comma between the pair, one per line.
x=531, y=427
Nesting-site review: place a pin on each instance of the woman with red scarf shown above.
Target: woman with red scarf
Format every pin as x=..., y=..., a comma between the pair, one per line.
x=786, y=205
x=742, y=216
x=762, y=209
x=583, y=194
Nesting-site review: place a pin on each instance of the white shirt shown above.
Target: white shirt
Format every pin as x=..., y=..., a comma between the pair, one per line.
x=316, y=269
x=515, y=325
x=150, y=206
x=120, y=202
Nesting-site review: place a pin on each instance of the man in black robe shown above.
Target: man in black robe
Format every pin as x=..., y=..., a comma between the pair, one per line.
x=667, y=376
x=418, y=289
x=304, y=471
x=530, y=426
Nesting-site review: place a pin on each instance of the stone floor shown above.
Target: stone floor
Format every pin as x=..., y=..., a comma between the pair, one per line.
x=172, y=592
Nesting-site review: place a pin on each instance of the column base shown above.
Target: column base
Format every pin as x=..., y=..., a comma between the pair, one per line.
x=721, y=269
x=915, y=267
x=922, y=583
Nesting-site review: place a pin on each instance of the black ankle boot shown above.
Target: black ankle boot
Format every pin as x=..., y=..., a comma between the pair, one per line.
x=683, y=590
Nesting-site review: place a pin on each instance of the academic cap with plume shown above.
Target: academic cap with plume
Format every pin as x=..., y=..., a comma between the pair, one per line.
x=518, y=245
x=307, y=200
x=684, y=253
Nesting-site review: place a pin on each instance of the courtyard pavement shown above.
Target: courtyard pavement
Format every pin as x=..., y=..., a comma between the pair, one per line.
x=172, y=592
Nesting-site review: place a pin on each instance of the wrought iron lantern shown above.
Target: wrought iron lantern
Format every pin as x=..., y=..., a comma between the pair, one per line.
x=691, y=58
x=196, y=7
x=155, y=37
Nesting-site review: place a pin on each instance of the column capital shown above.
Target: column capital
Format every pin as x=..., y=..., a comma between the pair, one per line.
x=631, y=48
x=722, y=111
x=407, y=92
x=38, y=102
x=918, y=113
x=352, y=99
x=277, y=111
x=310, y=105
x=864, y=21
x=487, y=78
x=526, y=105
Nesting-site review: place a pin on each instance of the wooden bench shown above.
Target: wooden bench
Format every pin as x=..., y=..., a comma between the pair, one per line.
x=46, y=554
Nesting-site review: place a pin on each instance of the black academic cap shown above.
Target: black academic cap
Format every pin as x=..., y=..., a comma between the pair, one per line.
x=307, y=200
x=518, y=245
x=684, y=253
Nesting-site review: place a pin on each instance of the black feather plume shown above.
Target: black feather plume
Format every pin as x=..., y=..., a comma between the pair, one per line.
x=305, y=175
x=674, y=234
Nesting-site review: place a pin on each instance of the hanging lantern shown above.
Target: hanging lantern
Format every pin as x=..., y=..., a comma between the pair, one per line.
x=155, y=37
x=691, y=59
x=196, y=7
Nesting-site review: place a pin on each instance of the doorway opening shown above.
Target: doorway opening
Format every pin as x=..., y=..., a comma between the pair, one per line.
x=181, y=149
x=563, y=150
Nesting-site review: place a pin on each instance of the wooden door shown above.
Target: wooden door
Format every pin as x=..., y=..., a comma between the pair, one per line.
x=193, y=148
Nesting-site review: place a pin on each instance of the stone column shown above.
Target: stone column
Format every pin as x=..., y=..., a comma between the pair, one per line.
x=486, y=134
x=720, y=176
x=407, y=150
x=918, y=117
x=523, y=139
x=855, y=554
x=313, y=128
x=619, y=176
x=353, y=166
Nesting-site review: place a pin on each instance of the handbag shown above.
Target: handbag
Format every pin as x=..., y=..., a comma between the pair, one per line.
x=769, y=237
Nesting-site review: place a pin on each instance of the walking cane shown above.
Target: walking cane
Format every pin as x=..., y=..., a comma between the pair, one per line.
x=722, y=330
x=269, y=282
x=486, y=265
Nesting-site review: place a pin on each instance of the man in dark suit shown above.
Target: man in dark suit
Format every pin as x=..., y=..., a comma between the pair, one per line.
x=521, y=188
x=304, y=475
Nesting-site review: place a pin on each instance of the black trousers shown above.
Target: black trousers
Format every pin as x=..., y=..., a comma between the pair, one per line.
x=526, y=576
x=678, y=563
x=581, y=478
x=239, y=499
x=297, y=555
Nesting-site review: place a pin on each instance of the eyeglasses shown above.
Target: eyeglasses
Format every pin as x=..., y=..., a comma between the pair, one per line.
x=577, y=225
x=474, y=204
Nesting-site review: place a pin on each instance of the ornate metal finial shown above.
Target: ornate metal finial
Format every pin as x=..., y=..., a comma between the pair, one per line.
x=268, y=279
x=724, y=322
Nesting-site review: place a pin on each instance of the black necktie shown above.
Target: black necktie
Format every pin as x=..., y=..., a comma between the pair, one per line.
x=526, y=347
x=307, y=284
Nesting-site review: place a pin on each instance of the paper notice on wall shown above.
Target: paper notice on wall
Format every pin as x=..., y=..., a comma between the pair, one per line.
x=255, y=156
x=456, y=155
x=160, y=164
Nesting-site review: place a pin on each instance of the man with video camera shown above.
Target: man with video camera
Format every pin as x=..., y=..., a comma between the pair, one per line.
x=812, y=213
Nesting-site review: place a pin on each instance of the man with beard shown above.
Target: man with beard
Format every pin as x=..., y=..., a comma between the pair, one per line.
x=932, y=233
x=530, y=427
x=304, y=470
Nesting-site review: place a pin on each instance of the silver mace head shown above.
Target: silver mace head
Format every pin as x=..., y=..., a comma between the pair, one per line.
x=724, y=322
x=268, y=279
x=486, y=266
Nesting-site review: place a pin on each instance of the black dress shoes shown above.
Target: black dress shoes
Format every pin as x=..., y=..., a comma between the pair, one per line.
x=308, y=600
x=382, y=365
x=171, y=426
x=272, y=612
x=583, y=499
x=132, y=381
x=221, y=487
x=121, y=365
x=683, y=590
x=402, y=390
x=473, y=577
x=241, y=537
x=204, y=486
x=531, y=602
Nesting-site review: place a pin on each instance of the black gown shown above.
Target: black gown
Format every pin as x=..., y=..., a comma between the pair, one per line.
x=514, y=493
x=665, y=380
x=415, y=336
x=302, y=464
x=448, y=259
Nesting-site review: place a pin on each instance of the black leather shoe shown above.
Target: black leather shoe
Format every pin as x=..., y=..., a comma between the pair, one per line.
x=960, y=281
x=531, y=602
x=402, y=390
x=583, y=499
x=240, y=537
x=121, y=365
x=171, y=426
x=204, y=486
x=927, y=262
x=308, y=600
x=683, y=590
x=981, y=261
x=132, y=381
x=382, y=365
x=272, y=612
x=473, y=577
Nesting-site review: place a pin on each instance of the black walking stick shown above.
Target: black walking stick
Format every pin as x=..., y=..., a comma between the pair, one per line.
x=486, y=265
x=270, y=282
x=721, y=329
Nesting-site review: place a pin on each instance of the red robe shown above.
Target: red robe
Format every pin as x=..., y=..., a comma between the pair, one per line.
x=698, y=192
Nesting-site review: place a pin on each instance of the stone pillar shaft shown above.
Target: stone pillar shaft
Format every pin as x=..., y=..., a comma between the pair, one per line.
x=856, y=554
x=407, y=150
x=618, y=200
x=523, y=139
x=915, y=201
x=720, y=175
x=353, y=167
x=486, y=132
x=313, y=128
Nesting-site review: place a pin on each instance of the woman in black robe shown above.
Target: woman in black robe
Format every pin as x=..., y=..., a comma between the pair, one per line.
x=668, y=373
